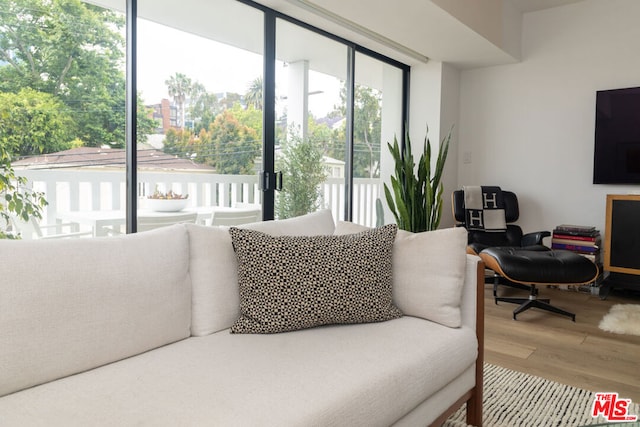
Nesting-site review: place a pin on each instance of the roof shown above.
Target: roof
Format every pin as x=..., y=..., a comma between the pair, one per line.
x=96, y=157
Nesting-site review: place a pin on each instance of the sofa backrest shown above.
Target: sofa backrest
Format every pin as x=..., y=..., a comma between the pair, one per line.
x=70, y=305
x=214, y=268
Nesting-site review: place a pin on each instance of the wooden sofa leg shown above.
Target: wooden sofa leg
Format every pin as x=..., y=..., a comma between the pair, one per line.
x=474, y=409
x=474, y=404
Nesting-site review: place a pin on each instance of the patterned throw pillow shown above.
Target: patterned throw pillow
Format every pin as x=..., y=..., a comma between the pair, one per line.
x=296, y=282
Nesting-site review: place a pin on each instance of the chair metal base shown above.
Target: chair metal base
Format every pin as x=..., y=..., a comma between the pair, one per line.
x=534, y=301
x=498, y=280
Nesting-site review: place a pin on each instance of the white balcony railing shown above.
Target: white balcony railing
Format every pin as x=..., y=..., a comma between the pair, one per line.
x=84, y=189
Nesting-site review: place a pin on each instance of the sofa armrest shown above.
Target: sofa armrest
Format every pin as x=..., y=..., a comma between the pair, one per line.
x=472, y=288
x=472, y=307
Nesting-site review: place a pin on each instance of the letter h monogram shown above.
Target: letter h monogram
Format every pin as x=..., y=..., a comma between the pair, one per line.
x=474, y=218
x=493, y=199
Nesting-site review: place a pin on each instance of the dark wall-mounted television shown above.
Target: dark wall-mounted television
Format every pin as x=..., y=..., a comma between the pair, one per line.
x=617, y=137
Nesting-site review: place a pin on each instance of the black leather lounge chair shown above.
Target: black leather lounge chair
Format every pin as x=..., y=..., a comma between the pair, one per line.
x=521, y=260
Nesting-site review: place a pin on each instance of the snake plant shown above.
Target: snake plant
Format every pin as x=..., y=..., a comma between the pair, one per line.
x=416, y=196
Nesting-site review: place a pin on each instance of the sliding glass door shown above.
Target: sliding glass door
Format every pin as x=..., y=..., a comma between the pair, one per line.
x=232, y=99
x=310, y=149
x=200, y=74
x=377, y=119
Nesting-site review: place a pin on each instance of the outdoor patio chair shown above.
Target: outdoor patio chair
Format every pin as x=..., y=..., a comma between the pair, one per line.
x=146, y=223
x=32, y=229
x=236, y=216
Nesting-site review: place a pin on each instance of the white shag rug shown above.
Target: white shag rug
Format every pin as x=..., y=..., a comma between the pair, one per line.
x=622, y=319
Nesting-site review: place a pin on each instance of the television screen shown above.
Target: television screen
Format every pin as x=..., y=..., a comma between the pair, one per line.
x=617, y=137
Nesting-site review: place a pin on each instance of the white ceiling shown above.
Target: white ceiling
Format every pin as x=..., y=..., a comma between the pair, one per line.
x=419, y=25
x=534, y=5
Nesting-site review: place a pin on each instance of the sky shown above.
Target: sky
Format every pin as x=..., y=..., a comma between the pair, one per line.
x=163, y=51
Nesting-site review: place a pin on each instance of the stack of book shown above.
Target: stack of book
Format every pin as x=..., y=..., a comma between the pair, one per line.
x=585, y=240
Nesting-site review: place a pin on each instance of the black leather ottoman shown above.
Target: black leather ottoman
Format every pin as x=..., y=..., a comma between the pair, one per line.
x=534, y=268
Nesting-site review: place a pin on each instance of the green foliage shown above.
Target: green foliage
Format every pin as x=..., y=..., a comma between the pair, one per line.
x=416, y=201
x=181, y=143
x=73, y=51
x=33, y=122
x=203, y=107
x=379, y=213
x=228, y=145
x=145, y=124
x=249, y=117
x=253, y=97
x=367, y=122
x=16, y=200
x=303, y=173
x=180, y=87
x=235, y=146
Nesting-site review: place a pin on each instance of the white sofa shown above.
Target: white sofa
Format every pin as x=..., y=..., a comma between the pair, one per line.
x=133, y=330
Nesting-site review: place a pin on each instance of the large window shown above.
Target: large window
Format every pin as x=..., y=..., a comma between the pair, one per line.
x=62, y=95
x=201, y=74
x=311, y=71
x=377, y=119
x=230, y=96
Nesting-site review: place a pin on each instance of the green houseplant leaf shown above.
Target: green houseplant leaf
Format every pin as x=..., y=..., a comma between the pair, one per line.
x=415, y=197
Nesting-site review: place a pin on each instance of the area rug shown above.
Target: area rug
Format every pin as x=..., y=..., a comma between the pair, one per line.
x=622, y=319
x=515, y=399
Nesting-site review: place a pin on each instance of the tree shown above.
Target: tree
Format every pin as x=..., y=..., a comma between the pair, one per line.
x=73, y=51
x=203, y=107
x=249, y=117
x=303, y=172
x=34, y=123
x=367, y=121
x=179, y=86
x=179, y=142
x=16, y=200
x=367, y=131
x=145, y=123
x=234, y=145
x=253, y=97
x=230, y=99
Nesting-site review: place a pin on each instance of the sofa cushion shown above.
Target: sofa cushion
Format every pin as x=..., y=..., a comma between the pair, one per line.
x=428, y=272
x=312, y=224
x=296, y=282
x=346, y=375
x=214, y=268
x=71, y=305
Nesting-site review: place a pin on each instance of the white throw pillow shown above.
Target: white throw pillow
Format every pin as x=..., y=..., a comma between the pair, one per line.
x=428, y=272
x=214, y=267
x=313, y=224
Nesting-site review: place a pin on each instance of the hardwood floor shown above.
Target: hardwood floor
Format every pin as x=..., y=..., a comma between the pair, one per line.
x=552, y=346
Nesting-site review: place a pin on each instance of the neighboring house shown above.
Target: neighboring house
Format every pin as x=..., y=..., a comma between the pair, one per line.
x=334, y=167
x=100, y=157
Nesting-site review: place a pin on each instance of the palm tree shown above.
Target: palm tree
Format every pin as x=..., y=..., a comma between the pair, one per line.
x=179, y=86
x=254, y=94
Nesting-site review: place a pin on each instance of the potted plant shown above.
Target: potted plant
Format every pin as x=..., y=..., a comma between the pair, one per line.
x=415, y=198
x=167, y=202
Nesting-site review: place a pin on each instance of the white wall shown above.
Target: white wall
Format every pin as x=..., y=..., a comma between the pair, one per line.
x=529, y=127
x=434, y=96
